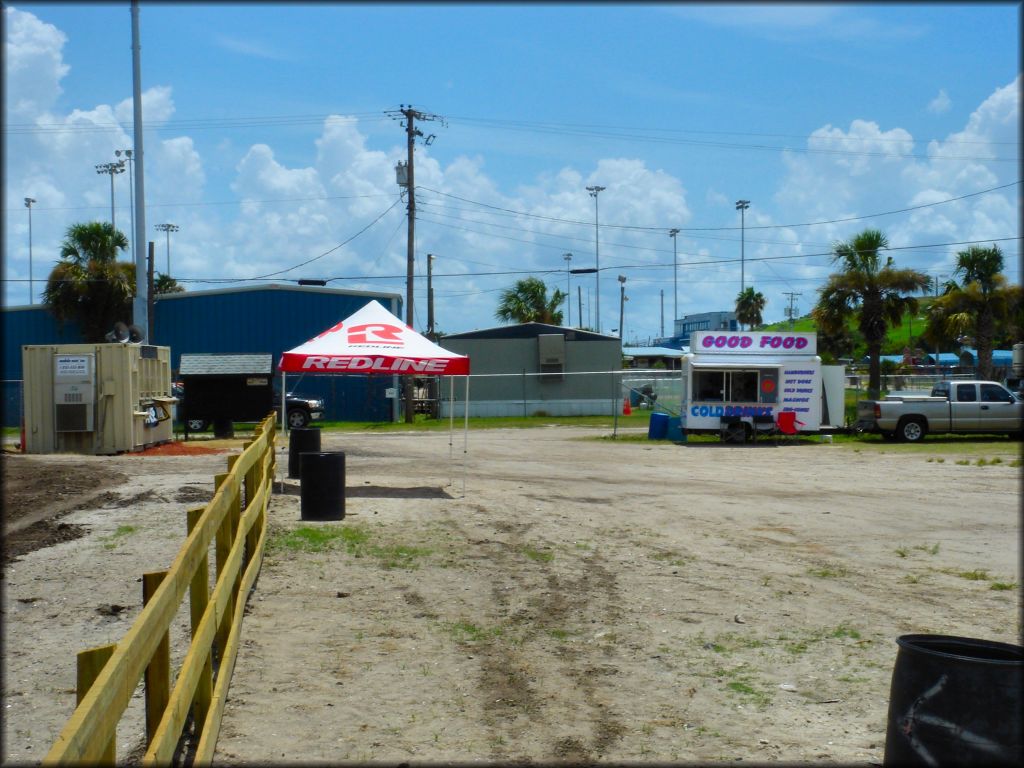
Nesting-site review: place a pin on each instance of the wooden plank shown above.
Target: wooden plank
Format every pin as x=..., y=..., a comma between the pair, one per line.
x=86, y=735
x=158, y=672
x=211, y=730
x=161, y=750
x=199, y=598
x=90, y=664
x=94, y=721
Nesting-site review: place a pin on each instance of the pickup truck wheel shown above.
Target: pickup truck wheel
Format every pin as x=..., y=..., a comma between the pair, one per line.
x=298, y=418
x=911, y=430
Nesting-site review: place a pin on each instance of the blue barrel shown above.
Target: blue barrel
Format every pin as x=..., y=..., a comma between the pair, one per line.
x=658, y=427
x=674, y=431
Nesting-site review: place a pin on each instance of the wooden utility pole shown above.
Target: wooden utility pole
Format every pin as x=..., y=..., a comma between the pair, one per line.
x=410, y=116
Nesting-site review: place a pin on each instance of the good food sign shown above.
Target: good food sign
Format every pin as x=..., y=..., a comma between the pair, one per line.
x=753, y=343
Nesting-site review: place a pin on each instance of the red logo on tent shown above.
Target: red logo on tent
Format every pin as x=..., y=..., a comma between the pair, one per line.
x=375, y=333
x=332, y=329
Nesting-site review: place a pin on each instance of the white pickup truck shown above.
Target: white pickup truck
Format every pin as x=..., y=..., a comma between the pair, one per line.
x=952, y=406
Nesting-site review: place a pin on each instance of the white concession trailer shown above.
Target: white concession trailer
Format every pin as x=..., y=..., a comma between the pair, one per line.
x=742, y=374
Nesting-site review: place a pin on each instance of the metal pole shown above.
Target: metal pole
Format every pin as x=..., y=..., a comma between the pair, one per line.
x=568, y=289
x=31, y=290
x=622, y=307
x=741, y=206
x=141, y=301
x=112, y=222
x=430, y=297
x=594, y=192
x=675, y=279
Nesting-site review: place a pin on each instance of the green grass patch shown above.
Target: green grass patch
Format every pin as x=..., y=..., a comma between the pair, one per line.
x=979, y=574
x=828, y=572
x=111, y=541
x=355, y=540
x=468, y=632
x=1000, y=586
x=312, y=539
x=537, y=555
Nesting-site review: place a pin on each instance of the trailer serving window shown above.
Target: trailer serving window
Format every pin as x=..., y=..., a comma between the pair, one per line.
x=730, y=386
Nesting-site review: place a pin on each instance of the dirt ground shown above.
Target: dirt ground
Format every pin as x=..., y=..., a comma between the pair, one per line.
x=548, y=595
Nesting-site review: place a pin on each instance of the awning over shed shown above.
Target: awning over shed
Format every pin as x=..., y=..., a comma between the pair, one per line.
x=373, y=341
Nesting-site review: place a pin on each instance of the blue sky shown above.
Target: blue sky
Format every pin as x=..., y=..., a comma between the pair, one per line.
x=268, y=144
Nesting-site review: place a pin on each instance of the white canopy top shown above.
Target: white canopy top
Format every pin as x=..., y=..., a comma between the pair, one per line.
x=373, y=341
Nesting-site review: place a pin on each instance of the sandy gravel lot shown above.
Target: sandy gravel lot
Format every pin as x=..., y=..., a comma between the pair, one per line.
x=583, y=599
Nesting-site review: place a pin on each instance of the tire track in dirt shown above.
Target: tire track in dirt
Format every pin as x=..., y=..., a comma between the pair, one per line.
x=567, y=599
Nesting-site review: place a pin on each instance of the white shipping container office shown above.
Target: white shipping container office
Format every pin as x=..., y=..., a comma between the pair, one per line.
x=743, y=374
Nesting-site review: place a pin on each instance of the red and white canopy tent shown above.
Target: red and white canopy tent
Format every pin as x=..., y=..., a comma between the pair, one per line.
x=372, y=341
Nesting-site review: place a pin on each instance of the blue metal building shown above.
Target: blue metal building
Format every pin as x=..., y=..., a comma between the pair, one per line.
x=254, y=319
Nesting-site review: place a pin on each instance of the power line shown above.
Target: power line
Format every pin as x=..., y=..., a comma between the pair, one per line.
x=725, y=229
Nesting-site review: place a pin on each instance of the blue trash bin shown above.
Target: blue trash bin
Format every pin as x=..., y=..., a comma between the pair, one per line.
x=674, y=430
x=658, y=427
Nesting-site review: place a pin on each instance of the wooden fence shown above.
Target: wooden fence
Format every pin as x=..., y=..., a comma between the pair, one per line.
x=235, y=522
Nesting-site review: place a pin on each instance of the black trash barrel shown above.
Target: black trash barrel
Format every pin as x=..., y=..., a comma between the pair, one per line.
x=301, y=440
x=322, y=493
x=954, y=701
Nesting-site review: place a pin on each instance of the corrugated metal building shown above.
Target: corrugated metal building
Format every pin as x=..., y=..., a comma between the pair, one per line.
x=534, y=367
x=253, y=319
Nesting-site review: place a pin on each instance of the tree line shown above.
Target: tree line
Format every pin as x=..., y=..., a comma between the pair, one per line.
x=978, y=306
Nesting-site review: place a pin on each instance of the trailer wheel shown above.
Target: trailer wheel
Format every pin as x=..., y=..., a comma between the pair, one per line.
x=911, y=430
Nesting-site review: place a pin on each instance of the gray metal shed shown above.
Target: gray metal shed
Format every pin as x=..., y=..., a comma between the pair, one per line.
x=538, y=368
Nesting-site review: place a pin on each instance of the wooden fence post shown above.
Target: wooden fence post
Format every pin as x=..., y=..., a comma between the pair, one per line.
x=90, y=664
x=199, y=599
x=158, y=672
x=222, y=549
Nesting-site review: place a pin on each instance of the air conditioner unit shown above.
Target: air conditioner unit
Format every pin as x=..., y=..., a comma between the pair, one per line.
x=74, y=392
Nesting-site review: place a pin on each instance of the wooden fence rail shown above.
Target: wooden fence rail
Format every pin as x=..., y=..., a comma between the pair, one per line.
x=108, y=675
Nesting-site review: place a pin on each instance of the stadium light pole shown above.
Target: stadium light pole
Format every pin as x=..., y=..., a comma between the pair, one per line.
x=31, y=290
x=168, y=228
x=112, y=169
x=131, y=191
x=594, y=192
x=675, y=278
x=741, y=206
x=622, y=306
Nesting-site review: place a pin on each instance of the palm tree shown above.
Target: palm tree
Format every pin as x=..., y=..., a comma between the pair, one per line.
x=527, y=302
x=749, y=306
x=166, y=284
x=89, y=285
x=977, y=306
x=872, y=292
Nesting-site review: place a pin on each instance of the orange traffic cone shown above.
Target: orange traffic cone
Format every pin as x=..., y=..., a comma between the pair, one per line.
x=626, y=410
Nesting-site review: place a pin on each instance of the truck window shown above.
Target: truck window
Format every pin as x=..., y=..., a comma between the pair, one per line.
x=965, y=393
x=992, y=393
x=941, y=390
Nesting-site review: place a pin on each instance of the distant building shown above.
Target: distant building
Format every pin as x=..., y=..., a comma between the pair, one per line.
x=530, y=368
x=267, y=319
x=703, y=321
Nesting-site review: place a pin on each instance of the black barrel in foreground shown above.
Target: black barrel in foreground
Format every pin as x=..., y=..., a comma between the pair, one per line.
x=954, y=701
